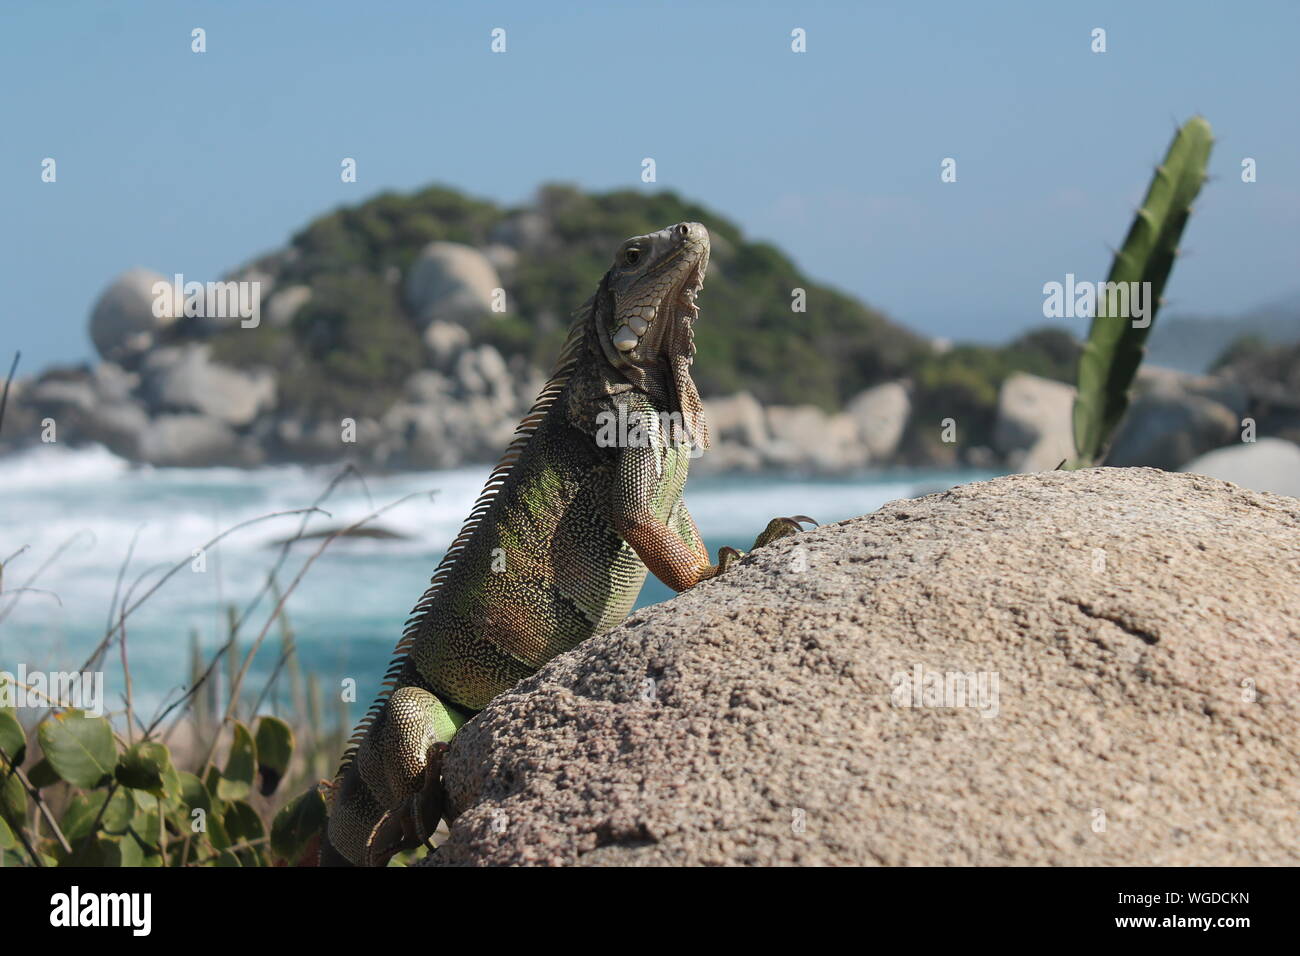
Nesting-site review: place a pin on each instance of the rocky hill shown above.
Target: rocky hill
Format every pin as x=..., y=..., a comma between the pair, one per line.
x=1070, y=668
x=412, y=331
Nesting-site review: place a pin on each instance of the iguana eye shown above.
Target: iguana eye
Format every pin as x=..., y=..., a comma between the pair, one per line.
x=631, y=256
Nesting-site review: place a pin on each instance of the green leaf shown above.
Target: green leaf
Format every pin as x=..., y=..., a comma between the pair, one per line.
x=83, y=808
x=193, y=794
x=7, y=839
x=211, y=779
x=105, y=851
x=12, y=739
x=79, y=748
x=13, y=801
x=217, y=834
x=1115, y=345
x=42, y=775
x=243, y=823
x=274, y=748
x=144, y=827
x=145, y=767
x=295, y=825
x=237, y=778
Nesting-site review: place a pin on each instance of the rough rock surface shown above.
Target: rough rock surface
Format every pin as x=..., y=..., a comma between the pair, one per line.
x=1144, y=628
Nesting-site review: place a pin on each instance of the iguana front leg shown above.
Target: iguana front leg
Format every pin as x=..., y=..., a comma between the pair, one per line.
x=672, y=549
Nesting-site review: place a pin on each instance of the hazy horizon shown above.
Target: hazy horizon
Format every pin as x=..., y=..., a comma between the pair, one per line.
x=195, y=163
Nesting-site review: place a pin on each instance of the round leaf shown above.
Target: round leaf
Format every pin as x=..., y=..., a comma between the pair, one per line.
x=42, y=774
x=237, y=778
x=146, y=766
x=274, y=748
x=296, y=824
x=13, y=800
x=243, y=823
x=83, y=808
x=79, y=748
x=12, y=739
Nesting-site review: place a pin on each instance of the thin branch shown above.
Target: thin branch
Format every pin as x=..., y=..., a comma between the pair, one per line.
x=244, y=845
x=248, y=659
x=126, y=676
x=27, y=585
x=177, y=567
x=39, y=801
x=121, y=572
x=4, y=399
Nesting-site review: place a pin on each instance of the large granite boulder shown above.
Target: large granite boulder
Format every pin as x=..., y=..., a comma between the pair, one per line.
x=803, y=437
x=1176, y=417
x=1267, y=464
x=285, y=303
x=1033, y=426
x=87, y=406
x=451, y=282
x=189, y=441
x=1068, y=668
x=738, y=434
x=123, y=323
x=186, y=379
x=445, y=342
x=881, y=414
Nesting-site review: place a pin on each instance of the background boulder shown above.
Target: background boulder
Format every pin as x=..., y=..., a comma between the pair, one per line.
x=122, y=322
x=1176, y=417
x=1268, y=464
x=185, y=378
x=1034, y=427
x=451, y=282
x=1143, y=628
x=881, y=414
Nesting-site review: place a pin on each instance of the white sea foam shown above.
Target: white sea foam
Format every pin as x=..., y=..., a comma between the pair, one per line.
x=350, y=605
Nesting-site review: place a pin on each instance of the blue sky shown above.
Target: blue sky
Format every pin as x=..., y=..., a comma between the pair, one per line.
x=193, y=163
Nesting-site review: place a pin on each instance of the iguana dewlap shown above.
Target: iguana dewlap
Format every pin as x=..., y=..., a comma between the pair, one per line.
x=585, y=499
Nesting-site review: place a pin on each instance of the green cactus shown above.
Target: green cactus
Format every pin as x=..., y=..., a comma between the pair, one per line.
x=1115, y=345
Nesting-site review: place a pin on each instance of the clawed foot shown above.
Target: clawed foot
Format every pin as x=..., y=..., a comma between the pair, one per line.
x=779, y=528
x=414, y=822
x=776, y=529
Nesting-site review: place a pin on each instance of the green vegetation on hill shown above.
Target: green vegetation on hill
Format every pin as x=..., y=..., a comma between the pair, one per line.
x=349, y=350
x=354, y=341
x=963, y=382
x=389, y=230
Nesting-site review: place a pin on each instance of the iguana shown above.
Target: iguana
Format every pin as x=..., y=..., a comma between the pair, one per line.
x=587, y=497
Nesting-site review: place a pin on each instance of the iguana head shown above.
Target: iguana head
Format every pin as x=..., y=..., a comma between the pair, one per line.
x=645, y=312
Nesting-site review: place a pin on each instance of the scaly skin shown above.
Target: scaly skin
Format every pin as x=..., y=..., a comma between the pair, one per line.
x=557, y=547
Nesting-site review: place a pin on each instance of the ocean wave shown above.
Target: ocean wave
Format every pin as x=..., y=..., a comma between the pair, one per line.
x=97, y=508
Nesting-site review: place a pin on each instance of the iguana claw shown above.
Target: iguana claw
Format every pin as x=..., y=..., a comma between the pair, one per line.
x=727, y=557
x=414, y=822
x=779, y=528
x=776, y=529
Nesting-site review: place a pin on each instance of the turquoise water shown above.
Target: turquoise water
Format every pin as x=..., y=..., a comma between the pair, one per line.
x=77, y=515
